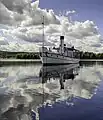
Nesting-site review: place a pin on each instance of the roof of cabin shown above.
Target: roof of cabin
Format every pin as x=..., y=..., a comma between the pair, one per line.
x=72, y=48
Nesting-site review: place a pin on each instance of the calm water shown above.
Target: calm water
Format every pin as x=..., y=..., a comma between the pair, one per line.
x=70, y=92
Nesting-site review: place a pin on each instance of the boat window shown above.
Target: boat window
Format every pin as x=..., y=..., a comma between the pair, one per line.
x=46, y=54
x=40, y=54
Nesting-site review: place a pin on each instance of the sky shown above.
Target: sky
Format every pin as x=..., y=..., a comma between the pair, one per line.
x=80, y=21
x=85, y=9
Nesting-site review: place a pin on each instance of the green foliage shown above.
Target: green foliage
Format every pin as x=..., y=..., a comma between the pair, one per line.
x=24, y=55
x=27, y=56
x=91, y=55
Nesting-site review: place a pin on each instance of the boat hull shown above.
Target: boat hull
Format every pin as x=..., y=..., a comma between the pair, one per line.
x=55, y=59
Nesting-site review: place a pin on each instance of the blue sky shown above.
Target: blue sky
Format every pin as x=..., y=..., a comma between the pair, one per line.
x=85, y=9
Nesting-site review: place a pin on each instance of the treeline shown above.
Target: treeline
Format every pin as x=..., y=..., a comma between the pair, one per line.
x=83, y=55
x=27, y=56
x=91, y=55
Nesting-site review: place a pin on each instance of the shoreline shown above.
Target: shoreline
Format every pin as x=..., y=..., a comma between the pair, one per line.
x=39, y=61
x=94, y=60
x=20, y=60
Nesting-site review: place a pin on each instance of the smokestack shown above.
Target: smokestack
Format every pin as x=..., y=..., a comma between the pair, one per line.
x=61, y=37
x=61, y=44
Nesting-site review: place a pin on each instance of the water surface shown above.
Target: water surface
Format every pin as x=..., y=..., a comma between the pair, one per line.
x=66, y=92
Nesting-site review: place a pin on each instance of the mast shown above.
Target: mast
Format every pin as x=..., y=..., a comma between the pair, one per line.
x=43, y=41
x=43, y=32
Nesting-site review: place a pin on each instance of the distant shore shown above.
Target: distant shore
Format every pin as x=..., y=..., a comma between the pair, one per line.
x=38, y=60
x=91, y=60
x=19, y=61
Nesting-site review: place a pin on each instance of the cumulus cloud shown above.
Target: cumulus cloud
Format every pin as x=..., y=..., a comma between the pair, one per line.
x=2, y=41
x=70, y=12
x=21, y=24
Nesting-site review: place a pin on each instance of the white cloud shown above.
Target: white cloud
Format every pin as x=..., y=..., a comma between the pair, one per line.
x=2, y=41
x=70, y=12
x=23, y=24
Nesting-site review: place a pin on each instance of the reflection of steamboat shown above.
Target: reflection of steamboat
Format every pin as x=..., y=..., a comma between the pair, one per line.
x=69, y=80
x=60, y=55
x=60, y=72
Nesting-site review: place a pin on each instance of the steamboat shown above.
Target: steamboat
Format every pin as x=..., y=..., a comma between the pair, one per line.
x=60, y=55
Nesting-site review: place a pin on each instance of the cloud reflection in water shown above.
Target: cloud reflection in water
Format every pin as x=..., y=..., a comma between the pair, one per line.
x=32, y=86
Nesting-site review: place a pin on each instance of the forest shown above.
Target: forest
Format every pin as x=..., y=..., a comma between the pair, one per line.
x=83, y=55
x=33, y=55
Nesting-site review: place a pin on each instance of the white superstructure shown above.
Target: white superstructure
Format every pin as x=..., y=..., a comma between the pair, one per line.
x=63, y=54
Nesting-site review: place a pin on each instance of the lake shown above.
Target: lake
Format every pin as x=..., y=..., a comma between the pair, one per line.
x=65, y=92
